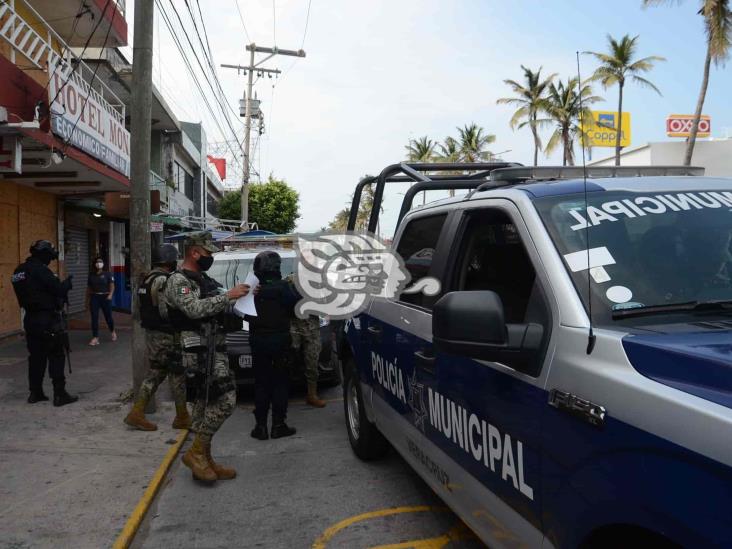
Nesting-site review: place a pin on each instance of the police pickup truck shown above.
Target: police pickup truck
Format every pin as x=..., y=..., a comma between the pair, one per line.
x=571, y=384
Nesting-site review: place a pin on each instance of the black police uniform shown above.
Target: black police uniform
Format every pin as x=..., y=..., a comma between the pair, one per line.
x=42, y=295
x=269, y=336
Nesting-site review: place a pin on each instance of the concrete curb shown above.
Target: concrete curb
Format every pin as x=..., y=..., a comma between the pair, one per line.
x=138, y=514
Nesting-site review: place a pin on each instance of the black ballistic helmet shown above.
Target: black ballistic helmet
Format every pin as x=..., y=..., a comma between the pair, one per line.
x=267, y=262
x=43, y=248
x=165, y=254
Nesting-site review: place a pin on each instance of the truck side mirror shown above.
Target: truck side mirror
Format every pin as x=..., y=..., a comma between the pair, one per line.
x=472, y=324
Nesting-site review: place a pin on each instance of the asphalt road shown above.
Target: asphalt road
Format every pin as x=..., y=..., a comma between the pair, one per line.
x=304, y=491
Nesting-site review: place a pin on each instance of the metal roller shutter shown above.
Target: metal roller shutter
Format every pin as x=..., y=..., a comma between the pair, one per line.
x=76, y=261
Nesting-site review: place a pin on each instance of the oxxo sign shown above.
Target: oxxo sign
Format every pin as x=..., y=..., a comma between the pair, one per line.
x=82, y=118
x=679, y=125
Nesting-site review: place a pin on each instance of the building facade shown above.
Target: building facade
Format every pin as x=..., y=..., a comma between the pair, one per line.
x=62, y=134
x=714, y=155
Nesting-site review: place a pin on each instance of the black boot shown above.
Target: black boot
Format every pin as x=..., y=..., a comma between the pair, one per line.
x=36, y=396
x=280, y=430
x=260, y=431
x=61, y=398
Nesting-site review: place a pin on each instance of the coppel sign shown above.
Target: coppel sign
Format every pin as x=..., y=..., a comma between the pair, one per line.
x=679, y=125
x=604, y=129
x=81, y=117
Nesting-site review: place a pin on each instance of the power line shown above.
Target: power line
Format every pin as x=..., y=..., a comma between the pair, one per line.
x=198, y=60
x=209, y=55
x=307, y=20
x=217, y=97
x=80, y=57
x=243, y=24
x=190, y=70
x=91, y=82
x=274, y=23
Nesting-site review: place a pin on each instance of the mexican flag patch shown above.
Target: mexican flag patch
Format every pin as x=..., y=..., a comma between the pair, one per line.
x=184, y=290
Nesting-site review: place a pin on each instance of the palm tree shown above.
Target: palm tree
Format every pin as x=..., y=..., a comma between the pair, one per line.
x=567, y=105
x=617, y=67
x=449, y=150
x=420, y=150
x=718, y=25
x=473, y=142
x=530, y=99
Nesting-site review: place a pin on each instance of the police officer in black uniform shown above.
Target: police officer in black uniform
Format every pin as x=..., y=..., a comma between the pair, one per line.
x=43, y=295
x=269, y=335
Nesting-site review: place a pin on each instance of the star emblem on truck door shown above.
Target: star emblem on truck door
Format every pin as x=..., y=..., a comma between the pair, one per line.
x=416, y=401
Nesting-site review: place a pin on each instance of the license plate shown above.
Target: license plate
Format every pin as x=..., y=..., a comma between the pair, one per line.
x=245, y=361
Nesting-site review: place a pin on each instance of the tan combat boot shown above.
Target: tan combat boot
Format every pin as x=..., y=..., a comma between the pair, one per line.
x=222, y=472
x=182, y=417
x=195, y=459
x=312, y=399
x=136, y=418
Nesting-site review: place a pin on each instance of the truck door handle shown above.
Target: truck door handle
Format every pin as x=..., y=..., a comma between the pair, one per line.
x=424, y=361
x=375, y=330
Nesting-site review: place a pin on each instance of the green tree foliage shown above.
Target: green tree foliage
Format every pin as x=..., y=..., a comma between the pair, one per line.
x=530, y=98
x=620, y=66
x=420, y=150
x=568, y=114
x=273, y=205
x=717, y=16
x=340, y=221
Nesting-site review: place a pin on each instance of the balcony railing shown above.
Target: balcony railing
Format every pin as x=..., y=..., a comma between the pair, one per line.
x=39, y=51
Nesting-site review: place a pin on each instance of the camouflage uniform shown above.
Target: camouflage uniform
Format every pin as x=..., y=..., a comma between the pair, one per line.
x=163, y=353
x=183, y=294
x=305, y=335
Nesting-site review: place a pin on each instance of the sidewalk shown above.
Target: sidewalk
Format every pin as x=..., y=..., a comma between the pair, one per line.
x=72, y=475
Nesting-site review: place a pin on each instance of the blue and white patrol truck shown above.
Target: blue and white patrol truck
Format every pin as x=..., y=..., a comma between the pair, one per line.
x=571, y=384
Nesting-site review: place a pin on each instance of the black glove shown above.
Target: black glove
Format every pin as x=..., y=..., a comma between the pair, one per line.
x=68, y=281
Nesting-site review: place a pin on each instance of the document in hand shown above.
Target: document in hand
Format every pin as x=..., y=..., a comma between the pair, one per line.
x=245, y=305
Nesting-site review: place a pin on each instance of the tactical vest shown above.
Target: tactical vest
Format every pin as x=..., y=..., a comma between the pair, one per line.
x=207, y=287
x=150, y=317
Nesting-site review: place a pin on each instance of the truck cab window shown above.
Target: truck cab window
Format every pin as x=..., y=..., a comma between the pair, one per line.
x=416, y=247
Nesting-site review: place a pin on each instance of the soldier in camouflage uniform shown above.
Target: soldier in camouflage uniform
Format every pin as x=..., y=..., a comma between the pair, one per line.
x=162, y=345
x=305, y=334
x=194, y=304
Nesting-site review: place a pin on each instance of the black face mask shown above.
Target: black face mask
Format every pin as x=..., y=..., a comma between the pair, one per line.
x=205, y=262
x=45, y=256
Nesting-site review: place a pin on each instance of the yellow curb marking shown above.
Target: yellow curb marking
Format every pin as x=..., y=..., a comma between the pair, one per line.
x=138, y=514
x=458, y=532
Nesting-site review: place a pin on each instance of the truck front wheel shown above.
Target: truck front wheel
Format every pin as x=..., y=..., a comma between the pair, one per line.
x=366, y=440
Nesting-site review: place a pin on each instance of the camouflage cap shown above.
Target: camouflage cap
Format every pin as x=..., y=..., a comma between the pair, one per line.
x=202, y=239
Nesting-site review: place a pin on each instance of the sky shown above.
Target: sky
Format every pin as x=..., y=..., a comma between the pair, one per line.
x=382, y=72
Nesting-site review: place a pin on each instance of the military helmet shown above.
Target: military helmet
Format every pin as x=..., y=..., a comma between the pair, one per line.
x=167, y=253
x=267, y=262
x=43, y=247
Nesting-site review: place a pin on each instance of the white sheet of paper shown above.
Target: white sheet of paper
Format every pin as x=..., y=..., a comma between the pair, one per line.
x=245, y=305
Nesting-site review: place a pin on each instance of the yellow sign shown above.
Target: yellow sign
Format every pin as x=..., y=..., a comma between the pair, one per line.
x=603, y=131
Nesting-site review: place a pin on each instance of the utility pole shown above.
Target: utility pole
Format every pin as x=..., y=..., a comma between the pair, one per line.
x=251, y=112
x=140, y=173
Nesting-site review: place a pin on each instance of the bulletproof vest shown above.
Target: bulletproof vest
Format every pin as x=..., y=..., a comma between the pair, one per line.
x=273, y=314
x=208, y=288
x=30, y=291
x=150, y=317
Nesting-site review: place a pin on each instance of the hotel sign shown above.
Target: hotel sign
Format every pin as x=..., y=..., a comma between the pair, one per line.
x=84, y=119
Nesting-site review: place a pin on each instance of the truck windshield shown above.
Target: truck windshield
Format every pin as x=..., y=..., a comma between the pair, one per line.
x=645, y=249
